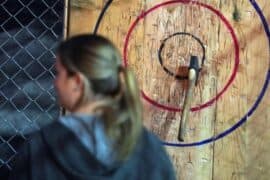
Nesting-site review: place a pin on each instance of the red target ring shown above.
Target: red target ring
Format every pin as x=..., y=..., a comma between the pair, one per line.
x=228, y=26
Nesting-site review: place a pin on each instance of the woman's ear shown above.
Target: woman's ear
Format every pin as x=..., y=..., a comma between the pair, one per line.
x=78, y=82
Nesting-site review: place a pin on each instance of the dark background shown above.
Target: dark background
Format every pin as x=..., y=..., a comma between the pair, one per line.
x=29, y=33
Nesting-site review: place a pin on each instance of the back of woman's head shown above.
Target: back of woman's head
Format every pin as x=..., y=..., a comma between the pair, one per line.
x=93, y=56
x=99, y=62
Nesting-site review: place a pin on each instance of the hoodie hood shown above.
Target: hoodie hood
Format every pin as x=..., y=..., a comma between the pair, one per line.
x=75, y=158
x=91, y=133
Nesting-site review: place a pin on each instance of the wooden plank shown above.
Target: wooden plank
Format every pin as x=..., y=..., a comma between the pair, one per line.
x=232, y=154
x=83, y=16
x=193, y=162
x=258, y=145
x=259, y=124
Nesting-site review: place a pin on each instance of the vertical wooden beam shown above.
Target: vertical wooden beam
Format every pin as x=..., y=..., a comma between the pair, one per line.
x=191, y=162
x=234, y=154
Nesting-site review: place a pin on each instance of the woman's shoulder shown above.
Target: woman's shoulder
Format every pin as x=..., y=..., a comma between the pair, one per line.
x=150, y=138
x=153, y=156
x=36, y=139
x=150, y=145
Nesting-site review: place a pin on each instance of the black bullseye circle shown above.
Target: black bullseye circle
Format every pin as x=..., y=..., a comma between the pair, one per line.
x=179, y=77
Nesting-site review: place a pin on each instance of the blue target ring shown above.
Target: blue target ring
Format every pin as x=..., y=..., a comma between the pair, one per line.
x=251, y=110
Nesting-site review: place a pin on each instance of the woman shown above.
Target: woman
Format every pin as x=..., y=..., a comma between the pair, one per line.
x=102, y=136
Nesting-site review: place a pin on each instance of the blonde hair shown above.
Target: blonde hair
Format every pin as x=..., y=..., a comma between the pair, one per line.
x=98, y=60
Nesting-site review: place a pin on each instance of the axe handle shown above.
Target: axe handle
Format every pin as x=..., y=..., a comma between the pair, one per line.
x=187, y=104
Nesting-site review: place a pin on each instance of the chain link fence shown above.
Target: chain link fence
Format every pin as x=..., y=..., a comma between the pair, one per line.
x=29, y=33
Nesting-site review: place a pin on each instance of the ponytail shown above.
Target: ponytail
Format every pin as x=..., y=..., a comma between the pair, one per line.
x=133, y=126
x=122, y=117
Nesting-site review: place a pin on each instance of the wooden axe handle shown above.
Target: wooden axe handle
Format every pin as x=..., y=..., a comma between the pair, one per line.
x=192, y=76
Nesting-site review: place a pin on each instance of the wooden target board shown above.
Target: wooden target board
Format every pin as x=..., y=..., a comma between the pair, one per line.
x=227, y=132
